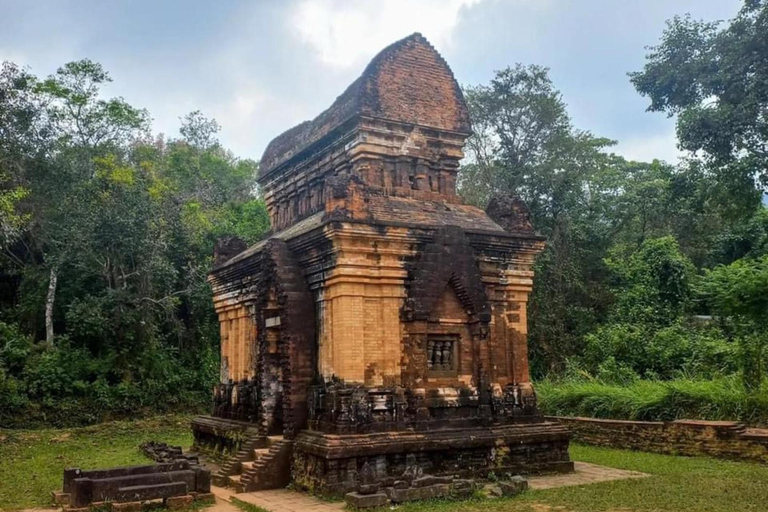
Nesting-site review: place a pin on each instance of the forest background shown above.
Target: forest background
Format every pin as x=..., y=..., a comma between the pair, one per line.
x=650, y=299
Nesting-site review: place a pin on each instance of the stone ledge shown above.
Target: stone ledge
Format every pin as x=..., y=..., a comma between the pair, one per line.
x=340, y=446
x=723, y=439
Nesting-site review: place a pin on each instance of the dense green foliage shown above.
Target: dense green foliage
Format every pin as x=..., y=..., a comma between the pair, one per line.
x=655, y=400
x=108, y=236
x=715, y=79
x=652, y=270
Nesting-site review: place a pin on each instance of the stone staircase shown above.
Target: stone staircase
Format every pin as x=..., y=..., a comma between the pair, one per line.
x=266, y=466
x=233, y=465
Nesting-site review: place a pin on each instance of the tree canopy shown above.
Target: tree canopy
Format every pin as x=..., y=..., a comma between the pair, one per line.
x=714, y=78
x=108, y=238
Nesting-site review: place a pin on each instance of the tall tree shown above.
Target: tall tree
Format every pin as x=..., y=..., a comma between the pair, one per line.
x=714, y=78
x=85, y=127
x=525, y=144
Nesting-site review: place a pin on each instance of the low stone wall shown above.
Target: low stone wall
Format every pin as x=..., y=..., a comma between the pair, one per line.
x=725, y=439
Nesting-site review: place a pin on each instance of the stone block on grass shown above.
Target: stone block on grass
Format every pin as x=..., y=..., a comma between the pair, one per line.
x=514, y=486
x=60, y=497
x=357, y=500
x=462, y=489
x=427, y=480
x=418, y=493
x=179, y=502
x=128, y=506
x=205, y=497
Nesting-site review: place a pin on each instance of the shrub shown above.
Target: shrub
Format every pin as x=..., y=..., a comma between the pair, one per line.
x=659, y=353
x=720, y=399
x=66, y=385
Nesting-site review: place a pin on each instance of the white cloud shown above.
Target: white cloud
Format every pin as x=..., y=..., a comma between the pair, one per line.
x=247, y=117
x=343, y=32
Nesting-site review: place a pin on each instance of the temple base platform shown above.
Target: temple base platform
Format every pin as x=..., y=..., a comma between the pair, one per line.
x=330, y=463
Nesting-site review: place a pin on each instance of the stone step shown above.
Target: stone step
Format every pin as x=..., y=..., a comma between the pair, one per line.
x=260, y=452
x=270, y=470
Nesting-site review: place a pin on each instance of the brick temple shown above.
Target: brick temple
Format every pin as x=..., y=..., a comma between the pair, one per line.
x=382, y=322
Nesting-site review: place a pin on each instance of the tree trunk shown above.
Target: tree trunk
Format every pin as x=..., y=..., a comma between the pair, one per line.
x=49, y=301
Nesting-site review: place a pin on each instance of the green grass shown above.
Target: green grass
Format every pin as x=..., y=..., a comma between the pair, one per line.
x=32, y=461
x=720, y=399
x=677, y=484
x=31, y=464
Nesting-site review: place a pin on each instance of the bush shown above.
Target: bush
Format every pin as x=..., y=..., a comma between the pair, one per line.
x=65, y=385
x=659, y=353
x=645, y=400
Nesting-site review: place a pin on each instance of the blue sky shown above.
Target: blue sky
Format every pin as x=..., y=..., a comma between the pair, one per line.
x=260, y=67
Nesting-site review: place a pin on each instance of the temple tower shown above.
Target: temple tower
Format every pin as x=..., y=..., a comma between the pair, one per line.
x=383, y=320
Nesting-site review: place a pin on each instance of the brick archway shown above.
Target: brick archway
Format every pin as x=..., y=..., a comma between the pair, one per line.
x=447, y=262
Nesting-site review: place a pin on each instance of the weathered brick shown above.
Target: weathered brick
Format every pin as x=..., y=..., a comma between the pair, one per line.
x=179, y=502
x=725, y=439
x=130, y=506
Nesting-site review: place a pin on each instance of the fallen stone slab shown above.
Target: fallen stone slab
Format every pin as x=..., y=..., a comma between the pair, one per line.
x=130, y=506
x=418, y=493
x=427, y=480
x=204, y=497
x=60, y=498
x=461, y=489
x=493, y=491
x=357, y=500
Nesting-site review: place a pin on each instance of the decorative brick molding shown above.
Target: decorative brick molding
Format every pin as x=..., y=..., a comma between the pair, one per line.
x=724, y=439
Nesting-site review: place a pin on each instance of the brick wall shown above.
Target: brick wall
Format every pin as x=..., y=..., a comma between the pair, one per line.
x=238, y=335
x=725, y=439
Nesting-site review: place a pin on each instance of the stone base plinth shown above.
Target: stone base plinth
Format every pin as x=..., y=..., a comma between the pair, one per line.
x=220, y=438
x=329, y=463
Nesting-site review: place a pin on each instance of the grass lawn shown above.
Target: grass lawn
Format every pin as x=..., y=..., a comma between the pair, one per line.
x=31, y=464
x=678, y=484
x=32, y=461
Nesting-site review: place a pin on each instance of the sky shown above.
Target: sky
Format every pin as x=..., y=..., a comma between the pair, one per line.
x=260, y=67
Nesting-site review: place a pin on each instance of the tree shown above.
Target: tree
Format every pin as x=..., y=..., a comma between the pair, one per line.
x=715, y=79
x=23, y=137
x=588, y=202
x=108, y=239
x=85, y=127
x=739, y=292
x=524, y=144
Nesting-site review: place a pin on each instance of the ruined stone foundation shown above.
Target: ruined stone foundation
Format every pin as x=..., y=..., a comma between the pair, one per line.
x=382, y=323
x=330, y=464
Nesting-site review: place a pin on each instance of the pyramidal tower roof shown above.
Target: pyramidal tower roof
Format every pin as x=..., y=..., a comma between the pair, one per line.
x=407, y=82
